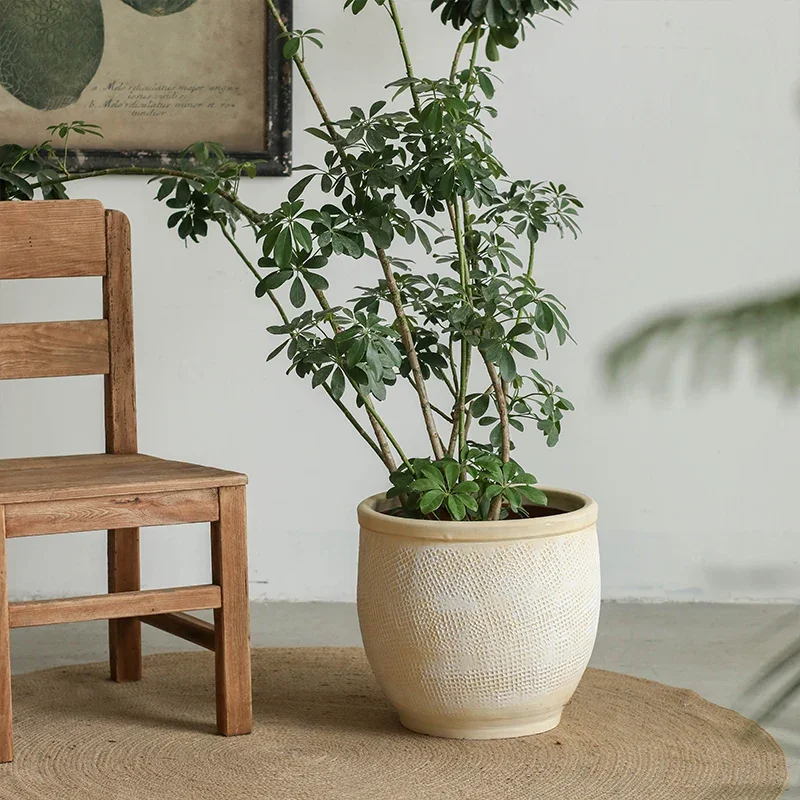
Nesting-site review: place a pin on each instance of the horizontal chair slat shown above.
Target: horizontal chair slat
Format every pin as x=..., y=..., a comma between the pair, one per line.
x=105, y=513
x=194, y=630
x=54, y=349
x=113, y=606
x=52, y=239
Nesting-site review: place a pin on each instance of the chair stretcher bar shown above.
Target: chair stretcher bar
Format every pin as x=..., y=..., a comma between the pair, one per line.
x=121, y=605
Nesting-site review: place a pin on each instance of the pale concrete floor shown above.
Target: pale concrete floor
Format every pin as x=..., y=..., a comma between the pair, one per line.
x=715, y=650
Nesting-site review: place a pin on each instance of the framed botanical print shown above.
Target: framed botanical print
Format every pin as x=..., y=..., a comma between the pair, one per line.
x=155, y=75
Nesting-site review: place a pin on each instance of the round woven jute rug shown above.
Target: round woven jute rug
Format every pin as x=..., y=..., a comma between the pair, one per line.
x=324, y=732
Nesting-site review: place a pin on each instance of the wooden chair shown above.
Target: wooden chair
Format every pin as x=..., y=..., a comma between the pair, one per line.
x=119, y=490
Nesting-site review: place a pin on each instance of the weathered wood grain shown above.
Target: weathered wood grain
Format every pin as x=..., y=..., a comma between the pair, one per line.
x=34, y=613
x=6, y=734
x=124, y=575
x=52, y=239
x=120, y=384
x=46, y=462
x=119, y=511
x=185, y=626
x=78, y=477
x=124, y=558
x=53, y=349
x=232, y=618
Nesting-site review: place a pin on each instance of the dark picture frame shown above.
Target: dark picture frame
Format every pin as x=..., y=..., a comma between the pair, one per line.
x=274, y=160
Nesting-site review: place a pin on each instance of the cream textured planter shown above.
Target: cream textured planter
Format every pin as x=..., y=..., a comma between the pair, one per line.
x=480, y=630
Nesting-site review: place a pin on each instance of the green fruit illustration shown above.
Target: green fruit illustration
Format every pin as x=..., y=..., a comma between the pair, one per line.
x=160, y=8
x=50, y=49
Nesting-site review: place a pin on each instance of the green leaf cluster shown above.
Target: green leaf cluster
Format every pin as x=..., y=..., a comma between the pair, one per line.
x=411, y=188
x=505, y=19
x=465, y=489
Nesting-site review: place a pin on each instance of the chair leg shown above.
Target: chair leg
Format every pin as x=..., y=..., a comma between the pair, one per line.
x=124, y=635
x=6, y=738
x=232, y=620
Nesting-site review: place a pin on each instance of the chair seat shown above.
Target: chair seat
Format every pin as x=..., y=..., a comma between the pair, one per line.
x=26, y=480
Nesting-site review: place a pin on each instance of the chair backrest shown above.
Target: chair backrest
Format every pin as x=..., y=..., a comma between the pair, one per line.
x=69, y=239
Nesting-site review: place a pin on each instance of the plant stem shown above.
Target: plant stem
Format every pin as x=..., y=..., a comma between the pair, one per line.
x=357, y=425
x=401, y=38
x=453, y=370
x=234, y=244
x=378, y=425
x=397, y=302
x=66, y=152
x=531, y=260
x=443, y=414
x=528, y=274
x=473, y=60
x=454, y=431
x=469, y=410
x=466, y=363
x=248, y=212
x=339, y=404
x=466, y=349
x=398, y=25
x=413, y=358
x=301, y=68
x=502, y=411
x=459, y=232
x=383, y=451
x=459, y=50
x=459, y=224
x=405, y=330
x=382, y=432
x=450, y=386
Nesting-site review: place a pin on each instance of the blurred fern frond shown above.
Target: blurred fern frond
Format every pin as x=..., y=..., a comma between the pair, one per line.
x=786, y=667
x=714, y=337
x=769, y=328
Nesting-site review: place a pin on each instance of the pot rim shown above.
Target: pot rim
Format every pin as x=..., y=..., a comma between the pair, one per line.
x=579, y=513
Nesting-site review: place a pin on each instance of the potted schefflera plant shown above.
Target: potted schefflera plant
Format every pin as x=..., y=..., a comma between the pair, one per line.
x=479, y=590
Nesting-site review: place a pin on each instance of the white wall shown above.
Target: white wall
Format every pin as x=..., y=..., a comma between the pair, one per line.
x=677, y=124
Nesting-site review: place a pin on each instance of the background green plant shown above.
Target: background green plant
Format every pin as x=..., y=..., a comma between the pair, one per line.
x=713, y=337
x=768, y=327
x=413, y=185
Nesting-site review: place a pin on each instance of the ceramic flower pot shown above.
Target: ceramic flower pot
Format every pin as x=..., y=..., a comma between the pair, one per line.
x=480, y=630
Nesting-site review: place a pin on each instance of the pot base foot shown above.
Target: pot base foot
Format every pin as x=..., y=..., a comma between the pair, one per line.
x=473, y=729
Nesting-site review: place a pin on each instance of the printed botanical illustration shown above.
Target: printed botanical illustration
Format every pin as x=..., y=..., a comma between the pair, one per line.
x=145, y=71
x=159, y=8
x=50, y=49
